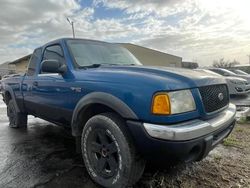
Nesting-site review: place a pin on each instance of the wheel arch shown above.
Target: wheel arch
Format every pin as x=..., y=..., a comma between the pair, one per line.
x=96, y=103
x=9, y=95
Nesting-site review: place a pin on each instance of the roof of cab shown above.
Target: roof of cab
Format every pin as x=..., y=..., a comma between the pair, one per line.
x=65, y=39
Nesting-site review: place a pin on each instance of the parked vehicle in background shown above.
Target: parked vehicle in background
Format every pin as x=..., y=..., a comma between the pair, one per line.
x=1, y=81
x=15, y=75
x=236, y=86
x=5, y=76
x=120, y=112
x=11, y=75
x=225, y=72
x=240, y=72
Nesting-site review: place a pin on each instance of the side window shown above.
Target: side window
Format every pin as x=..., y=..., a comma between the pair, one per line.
x=53, y=52
x=33, y=62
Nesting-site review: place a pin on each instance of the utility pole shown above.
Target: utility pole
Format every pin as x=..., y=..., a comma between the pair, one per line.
x=249, y=58
x=72, y=25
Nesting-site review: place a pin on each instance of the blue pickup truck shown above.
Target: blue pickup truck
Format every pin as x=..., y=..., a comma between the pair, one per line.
x=121, y=113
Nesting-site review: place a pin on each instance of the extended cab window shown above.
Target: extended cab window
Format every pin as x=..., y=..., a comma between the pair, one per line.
x=54, y=52
x=33, y=62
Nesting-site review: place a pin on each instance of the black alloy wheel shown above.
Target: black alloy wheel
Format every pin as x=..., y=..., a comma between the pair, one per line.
x=109, y=153
x=104, y=153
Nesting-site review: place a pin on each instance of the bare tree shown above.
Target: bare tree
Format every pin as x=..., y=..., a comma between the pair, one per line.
x=221, y=63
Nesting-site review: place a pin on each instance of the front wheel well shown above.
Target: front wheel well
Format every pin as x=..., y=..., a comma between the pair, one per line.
x=91, y=110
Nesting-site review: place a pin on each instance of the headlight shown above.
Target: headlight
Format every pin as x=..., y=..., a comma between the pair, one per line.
x=166, y=103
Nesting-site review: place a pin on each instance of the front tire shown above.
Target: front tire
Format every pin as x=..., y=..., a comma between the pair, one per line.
x=16, y=118
x=108, y=152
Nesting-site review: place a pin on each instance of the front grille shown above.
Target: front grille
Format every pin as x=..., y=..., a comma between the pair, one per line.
x=212, y=97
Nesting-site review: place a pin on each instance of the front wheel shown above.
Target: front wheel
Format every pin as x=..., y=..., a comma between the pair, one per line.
x=108, y=152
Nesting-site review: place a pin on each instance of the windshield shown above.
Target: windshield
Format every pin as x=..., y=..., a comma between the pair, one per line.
x=224, y=72
x=240, y=72
x=229, y=73
x=87, y=53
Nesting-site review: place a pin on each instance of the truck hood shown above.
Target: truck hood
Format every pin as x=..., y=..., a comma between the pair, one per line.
x=169, y=78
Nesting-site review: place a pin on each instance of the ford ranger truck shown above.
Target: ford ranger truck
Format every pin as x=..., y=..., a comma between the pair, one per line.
x=121, y=113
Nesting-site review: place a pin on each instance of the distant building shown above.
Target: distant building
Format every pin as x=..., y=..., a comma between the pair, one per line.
x=21, y=64
x=152, y=57
x=5, y=69
x=189, y=65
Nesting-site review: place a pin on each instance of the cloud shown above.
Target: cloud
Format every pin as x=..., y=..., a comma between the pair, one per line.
x=158, y=7
x=28, y=24
x=24, y=23
x=192, y=29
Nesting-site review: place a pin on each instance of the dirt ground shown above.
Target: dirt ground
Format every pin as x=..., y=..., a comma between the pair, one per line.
x=227, y=166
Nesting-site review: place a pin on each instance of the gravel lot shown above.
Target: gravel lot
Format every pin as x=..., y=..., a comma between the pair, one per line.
x=43, y=155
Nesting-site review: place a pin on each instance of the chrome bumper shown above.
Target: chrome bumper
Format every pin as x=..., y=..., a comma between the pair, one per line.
x=192, y=129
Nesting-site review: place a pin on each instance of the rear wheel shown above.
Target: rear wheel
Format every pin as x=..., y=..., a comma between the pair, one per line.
x=16, y=118
x=108, y=152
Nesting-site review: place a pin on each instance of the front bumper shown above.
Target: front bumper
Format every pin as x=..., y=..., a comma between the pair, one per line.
x=188, y=141
x=247, y=88
x=241, y=89
x=191, y=129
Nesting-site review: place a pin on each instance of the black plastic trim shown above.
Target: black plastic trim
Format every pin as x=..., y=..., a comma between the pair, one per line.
x=106, y=99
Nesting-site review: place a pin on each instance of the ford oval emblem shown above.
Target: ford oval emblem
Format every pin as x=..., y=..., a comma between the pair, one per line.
x=220, y=96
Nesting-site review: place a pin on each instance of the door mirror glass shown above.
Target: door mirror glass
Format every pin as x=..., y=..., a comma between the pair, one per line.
x=53, y=66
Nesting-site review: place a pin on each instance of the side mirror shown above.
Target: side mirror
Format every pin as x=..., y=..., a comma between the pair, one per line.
x=53, y=66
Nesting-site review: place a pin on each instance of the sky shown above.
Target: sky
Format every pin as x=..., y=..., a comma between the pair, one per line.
x=196, y=30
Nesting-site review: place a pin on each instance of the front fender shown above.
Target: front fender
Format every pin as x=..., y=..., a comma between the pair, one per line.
x=106, y=99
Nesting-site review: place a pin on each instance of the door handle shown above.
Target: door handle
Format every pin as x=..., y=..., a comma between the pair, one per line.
x=35, y=84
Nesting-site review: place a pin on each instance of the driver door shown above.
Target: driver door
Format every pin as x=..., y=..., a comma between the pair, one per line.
x=52, y=91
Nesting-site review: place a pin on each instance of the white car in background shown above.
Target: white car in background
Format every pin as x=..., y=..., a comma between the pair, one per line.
x=236, y=86
x=225, y=72
x=239, y=72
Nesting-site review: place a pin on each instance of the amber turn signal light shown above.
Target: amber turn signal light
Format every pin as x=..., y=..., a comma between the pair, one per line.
x=161, y=104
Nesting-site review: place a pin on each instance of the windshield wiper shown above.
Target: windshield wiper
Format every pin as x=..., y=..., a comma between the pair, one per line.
x=96, y=65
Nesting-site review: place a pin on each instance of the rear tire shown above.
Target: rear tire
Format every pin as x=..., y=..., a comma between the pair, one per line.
x=16, y=118
x=108, y=152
